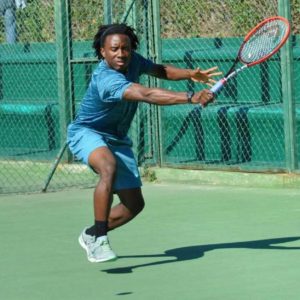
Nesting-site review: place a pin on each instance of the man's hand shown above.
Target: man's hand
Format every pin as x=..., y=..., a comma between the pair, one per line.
x=203, y=97
x=205, y=76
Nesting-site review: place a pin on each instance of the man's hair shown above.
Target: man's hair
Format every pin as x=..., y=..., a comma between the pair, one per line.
x=105, y=30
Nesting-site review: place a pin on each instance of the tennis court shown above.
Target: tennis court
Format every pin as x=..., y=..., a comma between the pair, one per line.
x=223, y=234
x=190, y=242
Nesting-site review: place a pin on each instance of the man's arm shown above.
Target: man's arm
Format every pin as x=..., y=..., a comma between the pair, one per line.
x=173, y=73
x=137, y=92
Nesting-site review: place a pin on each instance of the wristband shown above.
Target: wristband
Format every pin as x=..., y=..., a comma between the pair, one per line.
x=190, y=95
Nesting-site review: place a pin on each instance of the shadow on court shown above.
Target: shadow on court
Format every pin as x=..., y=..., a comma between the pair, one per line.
x=194, y=252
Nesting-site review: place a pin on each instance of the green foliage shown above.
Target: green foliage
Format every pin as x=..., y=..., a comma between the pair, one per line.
x=36, y=22
x=217, y=18
x=245, y=15
x=148, y=174
x=184, y=18
x=295, y=5
x=86, y=17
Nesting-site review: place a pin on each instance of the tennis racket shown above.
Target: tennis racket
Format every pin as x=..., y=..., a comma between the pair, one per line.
x=263, y=41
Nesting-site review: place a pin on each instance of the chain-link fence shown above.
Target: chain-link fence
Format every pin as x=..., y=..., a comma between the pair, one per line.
x=245, y=128
x=46, y=61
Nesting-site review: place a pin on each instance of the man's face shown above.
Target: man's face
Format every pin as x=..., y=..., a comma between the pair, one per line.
x=117, y=51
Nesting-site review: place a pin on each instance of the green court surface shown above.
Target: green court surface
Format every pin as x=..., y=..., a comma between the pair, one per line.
x=190, y=242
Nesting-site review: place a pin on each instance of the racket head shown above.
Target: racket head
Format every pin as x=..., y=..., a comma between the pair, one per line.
x=264, y=40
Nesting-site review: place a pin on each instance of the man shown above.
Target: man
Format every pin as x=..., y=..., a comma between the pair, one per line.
x=8, y=10
x=98, y=135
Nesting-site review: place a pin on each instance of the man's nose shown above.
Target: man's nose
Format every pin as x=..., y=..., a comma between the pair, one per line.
x=121, y=53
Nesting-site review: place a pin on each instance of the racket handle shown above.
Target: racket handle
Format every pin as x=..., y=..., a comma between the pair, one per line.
x=218, y=86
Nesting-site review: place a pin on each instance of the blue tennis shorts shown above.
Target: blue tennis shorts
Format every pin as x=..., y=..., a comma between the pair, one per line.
x=84, y=141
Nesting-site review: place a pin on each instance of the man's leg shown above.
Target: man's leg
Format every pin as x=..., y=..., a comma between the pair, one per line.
x=132, y=203
x=10, y=25
x=104, y=163
x=94, y=239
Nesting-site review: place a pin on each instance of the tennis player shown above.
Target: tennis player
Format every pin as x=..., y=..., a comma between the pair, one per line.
x=98, y=135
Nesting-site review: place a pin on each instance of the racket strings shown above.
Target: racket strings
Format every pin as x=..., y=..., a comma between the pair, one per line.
x=263, y=41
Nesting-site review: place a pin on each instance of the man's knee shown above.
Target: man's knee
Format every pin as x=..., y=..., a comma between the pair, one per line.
x=133, y=200
x=103, y=162
x=108, y=170
x=135, y=209
x=138, y=207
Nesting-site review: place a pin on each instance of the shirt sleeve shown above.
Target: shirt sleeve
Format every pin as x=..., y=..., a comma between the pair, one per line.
x=112, y=86
x=146, y=65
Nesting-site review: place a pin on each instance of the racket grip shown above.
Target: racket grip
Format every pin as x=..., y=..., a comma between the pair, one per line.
x=218, y=86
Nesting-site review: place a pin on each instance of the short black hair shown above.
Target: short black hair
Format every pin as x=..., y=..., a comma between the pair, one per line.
x=105, y=30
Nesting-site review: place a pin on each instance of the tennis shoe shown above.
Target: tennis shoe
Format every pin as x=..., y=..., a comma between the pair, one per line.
x=97, y=249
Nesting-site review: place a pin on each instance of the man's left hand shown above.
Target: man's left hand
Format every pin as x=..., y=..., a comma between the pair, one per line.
x=205, y=76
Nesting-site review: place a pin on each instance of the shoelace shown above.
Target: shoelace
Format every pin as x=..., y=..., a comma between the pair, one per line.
x=105, y=246
x=89, y=241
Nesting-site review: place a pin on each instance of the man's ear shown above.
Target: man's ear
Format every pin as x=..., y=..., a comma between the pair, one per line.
x=102, y=52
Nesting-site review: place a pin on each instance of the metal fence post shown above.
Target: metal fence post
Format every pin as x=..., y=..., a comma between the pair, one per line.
x=107, y=11
x=158, y=60
x=287, y=77
x=63, y=67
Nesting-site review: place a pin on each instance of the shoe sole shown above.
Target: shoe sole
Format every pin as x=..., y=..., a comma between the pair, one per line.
x=91, y=259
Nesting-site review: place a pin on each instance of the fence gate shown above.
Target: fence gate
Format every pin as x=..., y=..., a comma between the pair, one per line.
x=44, y=72
x=78, y=62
